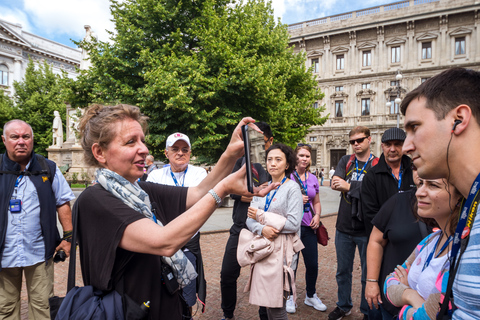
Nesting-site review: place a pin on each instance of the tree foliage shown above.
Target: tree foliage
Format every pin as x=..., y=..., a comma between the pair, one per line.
x=6, y=113
x=36, y=98
x=198, y=67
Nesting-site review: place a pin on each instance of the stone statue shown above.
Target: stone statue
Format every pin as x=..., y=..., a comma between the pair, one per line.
x=74, y=122
x=57, y=130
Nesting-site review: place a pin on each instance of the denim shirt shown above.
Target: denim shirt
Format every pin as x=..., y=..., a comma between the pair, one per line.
x=24, y=243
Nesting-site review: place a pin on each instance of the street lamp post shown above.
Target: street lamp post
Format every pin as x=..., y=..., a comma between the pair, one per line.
x=398, y=100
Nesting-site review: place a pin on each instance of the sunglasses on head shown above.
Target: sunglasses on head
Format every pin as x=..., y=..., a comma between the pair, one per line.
x=359, y=140
x=303, y=145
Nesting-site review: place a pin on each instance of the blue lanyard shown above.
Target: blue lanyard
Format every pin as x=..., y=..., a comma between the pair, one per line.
x=430, y=256
x=305, y=186
x=268, y=200
x=175, y=179
x=17, y=182
x=467, y=217
x=364, y=166
x=399, y=177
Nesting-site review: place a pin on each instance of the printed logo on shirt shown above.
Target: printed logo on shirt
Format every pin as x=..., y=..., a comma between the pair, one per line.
x=44, y=179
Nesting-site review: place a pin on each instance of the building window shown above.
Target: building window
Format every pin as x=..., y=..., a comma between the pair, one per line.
x=394, y=107
x=424, y=79
x=3, y=75
x=313, y=139
x=459, y=46
x=366, y=107
x=367, y=58
x=338, y=109
x=315, y=105
x=426, y=50
x=315, y=65
x=340, y=61
x=365, y=85
x=395, y=54
x=339, y=88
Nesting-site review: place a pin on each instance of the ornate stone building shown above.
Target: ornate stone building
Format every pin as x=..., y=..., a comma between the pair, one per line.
x=17, y=46
x=355, y=58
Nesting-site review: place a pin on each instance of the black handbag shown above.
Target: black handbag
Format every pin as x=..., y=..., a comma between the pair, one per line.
x=86, y=302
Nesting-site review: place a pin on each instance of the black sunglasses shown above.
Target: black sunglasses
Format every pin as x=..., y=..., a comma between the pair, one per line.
x=304, y=145
x=359, y=140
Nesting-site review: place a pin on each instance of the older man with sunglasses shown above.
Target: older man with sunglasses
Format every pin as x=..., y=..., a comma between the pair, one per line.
x=351, y=231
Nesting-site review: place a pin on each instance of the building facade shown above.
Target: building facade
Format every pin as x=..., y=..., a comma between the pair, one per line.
x=18, y=46
x=355, y=58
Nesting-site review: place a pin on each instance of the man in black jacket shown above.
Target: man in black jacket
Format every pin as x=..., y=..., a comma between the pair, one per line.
x=392, y=174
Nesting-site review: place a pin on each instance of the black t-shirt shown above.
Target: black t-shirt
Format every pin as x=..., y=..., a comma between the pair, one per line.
x=101, y=222
x=345, y=221
x=400, y=227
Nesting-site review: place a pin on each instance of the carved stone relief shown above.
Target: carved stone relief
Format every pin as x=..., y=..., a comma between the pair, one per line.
x=314, y=44
x=339, y=39
x=364, y=35
x=396, y=30
x=461, y=19
x=427, y=24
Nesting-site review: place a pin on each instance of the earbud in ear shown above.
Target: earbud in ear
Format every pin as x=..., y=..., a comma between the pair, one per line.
x=457, y=122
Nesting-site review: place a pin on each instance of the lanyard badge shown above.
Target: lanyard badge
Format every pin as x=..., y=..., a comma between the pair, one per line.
x=15, y=205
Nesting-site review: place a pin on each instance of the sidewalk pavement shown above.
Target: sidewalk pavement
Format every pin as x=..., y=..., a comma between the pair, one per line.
x=214, y=236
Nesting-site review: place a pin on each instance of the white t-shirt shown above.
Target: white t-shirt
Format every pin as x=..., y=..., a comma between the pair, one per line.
x=191, y=178
x=424, y=281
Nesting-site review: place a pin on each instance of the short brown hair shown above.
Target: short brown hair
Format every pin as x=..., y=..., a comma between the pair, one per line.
x=359, y=129
x=446, y=91
x=96, y=126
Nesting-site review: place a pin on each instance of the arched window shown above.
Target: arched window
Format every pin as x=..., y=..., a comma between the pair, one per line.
x=3, y=75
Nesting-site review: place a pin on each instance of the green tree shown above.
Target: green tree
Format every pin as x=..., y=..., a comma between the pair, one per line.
x=37, y=97
x=6, y=113
x=198, y=67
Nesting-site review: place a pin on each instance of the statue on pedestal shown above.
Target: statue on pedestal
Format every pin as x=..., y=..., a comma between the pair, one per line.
x=57, y=130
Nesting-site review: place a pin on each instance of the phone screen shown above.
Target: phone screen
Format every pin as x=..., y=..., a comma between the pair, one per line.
x=248, y=160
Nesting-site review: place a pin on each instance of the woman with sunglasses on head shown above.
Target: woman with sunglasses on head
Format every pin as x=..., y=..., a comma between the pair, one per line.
x=284, y=205
x=418, y=285
x=310, y=222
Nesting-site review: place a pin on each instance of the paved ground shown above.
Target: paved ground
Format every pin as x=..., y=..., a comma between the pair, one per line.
x=213, y=240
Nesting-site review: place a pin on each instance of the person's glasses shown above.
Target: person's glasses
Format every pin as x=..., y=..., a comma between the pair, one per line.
x=176, y=150
x=303, y=145
x=359, y=140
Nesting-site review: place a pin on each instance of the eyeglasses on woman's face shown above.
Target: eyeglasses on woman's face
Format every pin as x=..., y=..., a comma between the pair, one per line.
x=359, y=140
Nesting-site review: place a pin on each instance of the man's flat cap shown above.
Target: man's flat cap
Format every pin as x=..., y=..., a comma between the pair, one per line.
x=393, y=134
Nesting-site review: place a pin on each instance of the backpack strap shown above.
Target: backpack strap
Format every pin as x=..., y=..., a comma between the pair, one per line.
x=350, y=162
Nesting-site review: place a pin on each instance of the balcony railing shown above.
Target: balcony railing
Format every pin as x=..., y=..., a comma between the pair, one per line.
x=359, y=13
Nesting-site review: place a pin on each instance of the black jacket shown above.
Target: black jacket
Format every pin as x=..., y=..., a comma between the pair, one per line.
x=46, y=198
x=379, y=185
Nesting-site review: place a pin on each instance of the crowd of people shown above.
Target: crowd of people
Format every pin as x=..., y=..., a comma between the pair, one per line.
x=410, y=213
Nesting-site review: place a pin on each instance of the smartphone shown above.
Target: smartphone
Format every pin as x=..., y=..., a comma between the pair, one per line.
x=248, y=160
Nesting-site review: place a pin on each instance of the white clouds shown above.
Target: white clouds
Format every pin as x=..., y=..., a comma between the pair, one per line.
x=57, y=18
x=15, y=15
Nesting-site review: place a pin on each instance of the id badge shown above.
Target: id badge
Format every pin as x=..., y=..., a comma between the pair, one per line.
x=15, y=206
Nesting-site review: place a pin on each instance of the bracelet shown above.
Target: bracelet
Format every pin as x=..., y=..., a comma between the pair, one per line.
x=215, y=196
x=371, y=280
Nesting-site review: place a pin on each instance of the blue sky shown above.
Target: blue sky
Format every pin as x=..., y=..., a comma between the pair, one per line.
x=62, y=20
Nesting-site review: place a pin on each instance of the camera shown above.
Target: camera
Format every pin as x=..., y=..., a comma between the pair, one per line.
x=60, y=256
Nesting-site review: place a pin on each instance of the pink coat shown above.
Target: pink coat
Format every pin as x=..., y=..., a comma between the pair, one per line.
x=270, y=271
